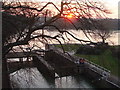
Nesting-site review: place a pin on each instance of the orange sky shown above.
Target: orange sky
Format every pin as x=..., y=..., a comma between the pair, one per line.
x=112, y=5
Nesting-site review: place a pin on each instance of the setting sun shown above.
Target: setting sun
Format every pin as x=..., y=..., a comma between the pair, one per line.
x=70, y=15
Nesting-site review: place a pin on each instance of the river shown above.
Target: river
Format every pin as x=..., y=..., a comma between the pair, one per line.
x=32, y=78
x=112, y=40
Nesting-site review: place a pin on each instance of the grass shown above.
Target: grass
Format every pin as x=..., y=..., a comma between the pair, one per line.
x=69, y=47
x=106, y=59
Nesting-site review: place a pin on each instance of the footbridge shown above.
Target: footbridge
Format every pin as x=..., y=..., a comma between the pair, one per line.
x=54, y=61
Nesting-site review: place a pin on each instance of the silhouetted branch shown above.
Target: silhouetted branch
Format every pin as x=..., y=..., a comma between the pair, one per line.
x=80, y=9
x=28, y=7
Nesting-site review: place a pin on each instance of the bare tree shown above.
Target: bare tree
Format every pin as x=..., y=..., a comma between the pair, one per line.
x=31, y=13
x=22, y=19
x=100, y=32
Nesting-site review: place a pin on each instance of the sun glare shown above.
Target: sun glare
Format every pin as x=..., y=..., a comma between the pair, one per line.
x=70, y=15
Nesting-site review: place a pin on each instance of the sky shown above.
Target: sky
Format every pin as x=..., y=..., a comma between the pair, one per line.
x=111, y=5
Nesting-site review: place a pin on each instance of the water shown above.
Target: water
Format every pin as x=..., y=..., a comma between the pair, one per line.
x=32, y=78
x=113, y=40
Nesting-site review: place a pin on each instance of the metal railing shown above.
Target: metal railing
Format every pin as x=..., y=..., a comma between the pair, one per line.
x=95, y=67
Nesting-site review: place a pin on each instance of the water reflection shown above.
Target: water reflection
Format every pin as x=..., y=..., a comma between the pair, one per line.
x=28, y=78
x=113, y=40
x=72, y=82
x=31, y=78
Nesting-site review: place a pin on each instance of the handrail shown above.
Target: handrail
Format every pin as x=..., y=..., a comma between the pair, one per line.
x=94, y=66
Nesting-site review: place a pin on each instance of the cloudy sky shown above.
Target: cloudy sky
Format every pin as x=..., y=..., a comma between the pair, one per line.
x=112, y=5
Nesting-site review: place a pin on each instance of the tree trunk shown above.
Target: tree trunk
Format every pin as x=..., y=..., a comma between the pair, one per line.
x=103, y=40
x=5, y=75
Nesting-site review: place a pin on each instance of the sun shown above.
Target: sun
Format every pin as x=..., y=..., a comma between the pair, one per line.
x=70, y=15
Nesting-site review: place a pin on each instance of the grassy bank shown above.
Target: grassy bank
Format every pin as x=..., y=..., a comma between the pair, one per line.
x=69, y=47
x=105, y=59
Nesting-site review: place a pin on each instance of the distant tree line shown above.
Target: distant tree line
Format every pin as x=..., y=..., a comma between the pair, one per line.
x=111, y=24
